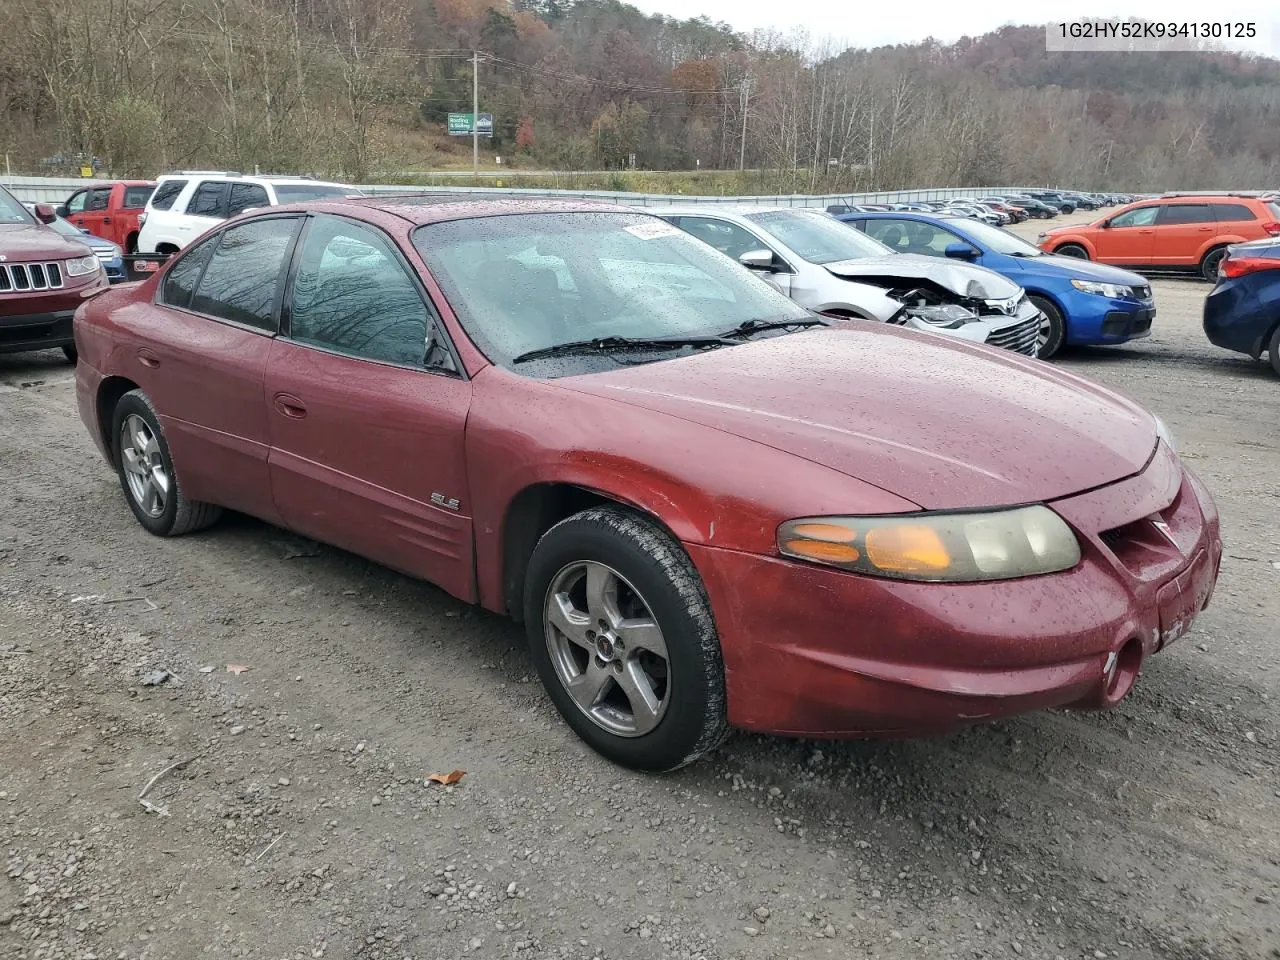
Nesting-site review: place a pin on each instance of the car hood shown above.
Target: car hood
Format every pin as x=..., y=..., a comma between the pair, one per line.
x=21, y=242
x=1079, y=269
x=899, y=269
x=940, y=423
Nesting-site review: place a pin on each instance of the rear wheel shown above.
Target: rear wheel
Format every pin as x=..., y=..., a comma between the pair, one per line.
x=621, y=632
x=1273, y=352
x=70, y=352
x=1053, y=327
x=1209, y=264
x=1072, y=250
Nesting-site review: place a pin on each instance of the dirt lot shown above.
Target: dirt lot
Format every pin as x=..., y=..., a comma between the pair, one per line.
x=301, y=825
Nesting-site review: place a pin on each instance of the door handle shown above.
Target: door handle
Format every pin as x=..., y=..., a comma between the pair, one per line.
x=147, y=358
x=290, y=406
x=1206, y=229
x=106, y=219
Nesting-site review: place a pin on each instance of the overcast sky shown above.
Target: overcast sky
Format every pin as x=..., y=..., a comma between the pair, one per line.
x=905, y=21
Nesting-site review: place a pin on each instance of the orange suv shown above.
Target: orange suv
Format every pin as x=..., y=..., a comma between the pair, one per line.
x=1175, y=232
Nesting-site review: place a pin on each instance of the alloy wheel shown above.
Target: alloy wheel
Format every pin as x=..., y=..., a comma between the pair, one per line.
x=147, y=477
x=607, y=648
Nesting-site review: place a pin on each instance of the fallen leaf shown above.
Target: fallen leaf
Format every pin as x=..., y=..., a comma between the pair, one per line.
x=206, y=669
x=447, y=779
x=236, y=668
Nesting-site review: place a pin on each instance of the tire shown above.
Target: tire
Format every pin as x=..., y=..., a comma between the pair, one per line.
x=1209, y=263
x=151, y=486
x=131, y=244
x=1053, y=330
x=70, y=352
x=1273, y=351
x=1072, y=250
x=636, y=573
x=1068, y=208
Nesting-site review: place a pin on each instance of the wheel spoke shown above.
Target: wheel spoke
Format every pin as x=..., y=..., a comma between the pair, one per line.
x=161, y=480
x=569, y=620
x=637, y=686
x=642, y=634
x=602, y=594
x=132, y=462
x=589, y=687
x=149, y=496
x=151, y=447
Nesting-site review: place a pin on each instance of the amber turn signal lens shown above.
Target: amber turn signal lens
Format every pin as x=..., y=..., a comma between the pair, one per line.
x=831, y=532
x=907, y=549
x=823, y=551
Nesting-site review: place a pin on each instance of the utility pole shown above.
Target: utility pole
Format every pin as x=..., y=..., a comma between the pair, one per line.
x=475, y=113
x=746, y=103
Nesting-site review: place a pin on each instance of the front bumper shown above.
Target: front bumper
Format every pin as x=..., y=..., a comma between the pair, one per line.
x=811, y=651
x=1093, y=319
x=39, y=321
x=1019, y=333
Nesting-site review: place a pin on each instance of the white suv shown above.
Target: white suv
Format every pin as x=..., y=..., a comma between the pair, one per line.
x=185, y=205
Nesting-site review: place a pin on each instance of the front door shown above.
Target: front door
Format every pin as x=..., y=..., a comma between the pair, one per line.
x=367, y=411
x=1130, y=238
x=733, y=241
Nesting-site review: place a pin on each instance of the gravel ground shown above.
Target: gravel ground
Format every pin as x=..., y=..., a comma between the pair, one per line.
x=302, y=823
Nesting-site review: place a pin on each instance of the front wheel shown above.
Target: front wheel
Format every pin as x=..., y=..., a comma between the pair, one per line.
x=621, y=632
x=147, y=477
x=70, y=352
x=1273, y=352
x=1072, y=250
x=1053, y=327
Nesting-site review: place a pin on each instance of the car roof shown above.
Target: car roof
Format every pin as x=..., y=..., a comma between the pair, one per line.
x=733, y=209
x=420, y=209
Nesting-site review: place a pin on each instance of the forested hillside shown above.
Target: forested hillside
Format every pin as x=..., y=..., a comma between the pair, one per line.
x=360, y=89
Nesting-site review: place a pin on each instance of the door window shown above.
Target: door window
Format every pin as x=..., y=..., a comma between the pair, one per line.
x=210, y=199
x=1179, y=213
x=1140, y=217
x=99, y=199
x=1232, y=213
x=354, y=295
x=242, y=280
x=183, y=276
x=135, y=198
x=245, y=196
x=76, y=203
x=912, y=236
x=166, y=193
x=729, y=238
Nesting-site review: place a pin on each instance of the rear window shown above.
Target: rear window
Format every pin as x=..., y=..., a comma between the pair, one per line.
x=1274, y=208
x=302, y=192
x=166, y=193
x=136, y=197
x=1232, y=212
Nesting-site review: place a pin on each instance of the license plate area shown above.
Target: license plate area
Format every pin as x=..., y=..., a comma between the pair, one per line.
x=1181, y=600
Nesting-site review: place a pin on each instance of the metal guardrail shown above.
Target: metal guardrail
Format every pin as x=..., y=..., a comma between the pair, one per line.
x=57, y=189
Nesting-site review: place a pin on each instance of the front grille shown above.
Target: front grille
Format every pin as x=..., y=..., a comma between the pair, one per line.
x=104, y=254
x=21, y=277
x=1019, y=337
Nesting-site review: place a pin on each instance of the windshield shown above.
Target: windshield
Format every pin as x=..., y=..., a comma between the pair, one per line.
x=818, y=238
x=1001, y=241
x=11, y=211
x=301, y=192
x=527, y=282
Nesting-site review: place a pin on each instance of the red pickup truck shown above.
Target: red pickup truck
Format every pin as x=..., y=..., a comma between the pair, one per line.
x=110, y=210
x=44, y=277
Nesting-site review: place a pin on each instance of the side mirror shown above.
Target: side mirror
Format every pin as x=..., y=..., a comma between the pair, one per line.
x=62, y=211
x=758, y=260
x=45, y=213
x=1105, y=224
x=85, y=231
x=960, y=251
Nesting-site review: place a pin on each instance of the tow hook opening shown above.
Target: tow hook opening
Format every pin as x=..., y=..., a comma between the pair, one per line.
x=1121, y=672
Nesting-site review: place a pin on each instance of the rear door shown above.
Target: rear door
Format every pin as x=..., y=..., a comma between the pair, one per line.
x=1129, y=237
x=1183, y=232
x=206, y=208
x=201, y=356
x=367, y=410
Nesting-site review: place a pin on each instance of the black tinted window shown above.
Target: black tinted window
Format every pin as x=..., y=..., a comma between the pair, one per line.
x=166, y=193
x=1232, y=212
x=183, y=276
x=209, y=199
x=1186, y=213
x=245, y=196
x=100, y=199
x=354, y=295
x=136, y=197
x=242, y=279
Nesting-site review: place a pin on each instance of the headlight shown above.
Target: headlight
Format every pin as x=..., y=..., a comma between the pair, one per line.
x=1164, y=433
x=81, y=266
x=957, y=547
x=949, y=315
x=1117, y=291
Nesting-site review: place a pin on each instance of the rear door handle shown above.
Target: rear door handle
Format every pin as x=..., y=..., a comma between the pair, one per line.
x=147, y=358
x=290, y=406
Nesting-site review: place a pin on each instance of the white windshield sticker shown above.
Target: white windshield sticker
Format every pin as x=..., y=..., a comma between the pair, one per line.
x=653, y=230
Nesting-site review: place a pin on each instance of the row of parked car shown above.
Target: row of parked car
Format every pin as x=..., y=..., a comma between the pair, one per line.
x=996, y=210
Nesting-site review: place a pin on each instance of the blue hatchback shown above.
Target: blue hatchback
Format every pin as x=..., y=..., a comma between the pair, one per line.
x=1083, y=302
x=1243, y=311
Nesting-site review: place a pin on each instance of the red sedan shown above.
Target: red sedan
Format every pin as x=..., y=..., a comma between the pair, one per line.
x=710, y=508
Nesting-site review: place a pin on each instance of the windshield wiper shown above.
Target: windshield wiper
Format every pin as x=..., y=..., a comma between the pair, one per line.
x=755, y=326
x=605, y=344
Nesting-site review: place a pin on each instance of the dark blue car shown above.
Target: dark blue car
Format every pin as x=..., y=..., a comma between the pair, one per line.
x=110, y=255
x=1083, y=302
x=1243, y=311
